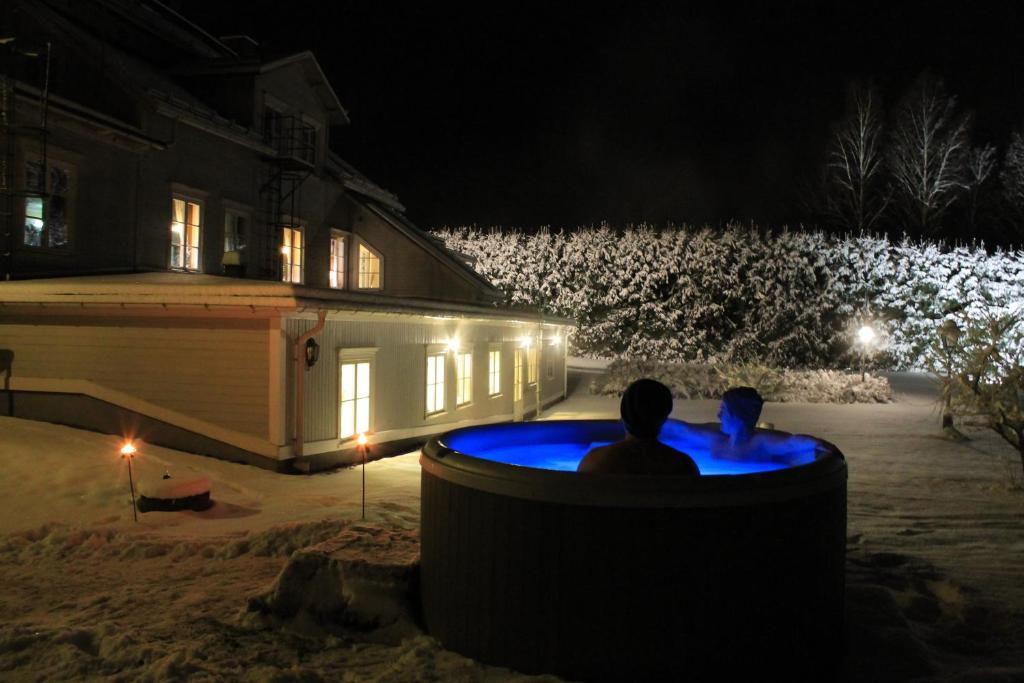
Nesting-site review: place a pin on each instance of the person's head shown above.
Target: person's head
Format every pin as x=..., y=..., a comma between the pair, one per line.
x=645, y=406
x=741, y=406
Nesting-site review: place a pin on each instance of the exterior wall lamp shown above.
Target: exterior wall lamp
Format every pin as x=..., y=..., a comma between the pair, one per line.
x=312, y=352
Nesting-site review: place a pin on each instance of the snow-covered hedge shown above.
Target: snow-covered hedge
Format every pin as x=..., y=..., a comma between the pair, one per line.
x=710, y=380
x=740, y=294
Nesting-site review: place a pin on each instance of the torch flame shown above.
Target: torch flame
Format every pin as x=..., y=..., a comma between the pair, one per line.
x=128, y=449
x=361, y=440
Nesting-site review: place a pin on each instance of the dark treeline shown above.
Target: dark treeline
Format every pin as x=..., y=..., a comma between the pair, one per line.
x=915, y=167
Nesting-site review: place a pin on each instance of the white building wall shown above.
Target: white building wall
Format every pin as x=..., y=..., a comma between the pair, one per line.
x=401, y=343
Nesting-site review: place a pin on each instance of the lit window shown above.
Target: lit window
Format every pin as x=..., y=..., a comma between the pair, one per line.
x=531, y=367
x=494, y=372
x=369, y=268
x=47, y=218
x=337, y=272
x=234, y=231
x=354, y=395
x=186, y=223
x=291, y=255
x=435, y=383
x=517, y=383
x=463, y=378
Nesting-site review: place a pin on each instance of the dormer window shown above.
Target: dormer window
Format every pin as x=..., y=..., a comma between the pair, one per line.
x=369, y=268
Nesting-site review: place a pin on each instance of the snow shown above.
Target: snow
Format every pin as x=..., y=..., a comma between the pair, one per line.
x=935, y=557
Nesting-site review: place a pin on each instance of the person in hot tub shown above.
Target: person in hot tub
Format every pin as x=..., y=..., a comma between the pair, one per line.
x=645, y=406
x=737, y=437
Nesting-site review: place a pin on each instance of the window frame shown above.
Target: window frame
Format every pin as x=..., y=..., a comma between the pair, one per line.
x=361, y=243
x=295, y=226
x=244, y=214
x=532, y=365
x=434, y=351
x=346, y=238
x=20, y=208
x=494, y=371
x=463, y=383
x=188, y=198
x=356, y=356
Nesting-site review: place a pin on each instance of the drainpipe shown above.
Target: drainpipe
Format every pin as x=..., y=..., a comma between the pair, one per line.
x=298, y=353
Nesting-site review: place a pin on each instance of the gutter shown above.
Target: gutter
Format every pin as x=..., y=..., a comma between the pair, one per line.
x=300, y=377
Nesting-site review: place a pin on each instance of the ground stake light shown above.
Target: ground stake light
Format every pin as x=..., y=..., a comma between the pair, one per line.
x=361, y=442
x=128, y=452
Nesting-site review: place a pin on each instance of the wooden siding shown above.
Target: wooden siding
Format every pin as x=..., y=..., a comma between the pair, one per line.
x=216, y=375
x=399, y=400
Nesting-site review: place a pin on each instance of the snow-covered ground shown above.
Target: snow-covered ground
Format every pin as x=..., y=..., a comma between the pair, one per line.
x=936, y=555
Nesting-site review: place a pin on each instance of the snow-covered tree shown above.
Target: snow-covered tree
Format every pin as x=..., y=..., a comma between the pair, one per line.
x=926, y=154
x=979, y=174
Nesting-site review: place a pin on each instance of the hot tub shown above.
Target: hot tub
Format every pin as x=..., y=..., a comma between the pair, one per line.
x=527, y=564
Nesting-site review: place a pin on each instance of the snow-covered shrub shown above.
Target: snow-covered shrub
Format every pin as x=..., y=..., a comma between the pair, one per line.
x=710, y=381
x=743, y=295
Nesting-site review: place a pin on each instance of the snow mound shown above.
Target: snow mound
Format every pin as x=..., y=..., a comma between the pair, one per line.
x=363, y=576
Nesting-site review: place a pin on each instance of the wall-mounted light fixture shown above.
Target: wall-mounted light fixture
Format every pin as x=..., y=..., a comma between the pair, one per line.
x=453, y=344
x=312, y=352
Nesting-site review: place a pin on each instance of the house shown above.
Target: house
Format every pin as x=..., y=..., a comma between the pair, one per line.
x=186, y=260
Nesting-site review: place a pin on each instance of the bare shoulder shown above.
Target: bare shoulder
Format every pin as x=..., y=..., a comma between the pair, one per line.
x=678, y=461
x=595, y=459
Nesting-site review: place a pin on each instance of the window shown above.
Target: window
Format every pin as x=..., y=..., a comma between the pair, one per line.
x=354, y=398
x=235, y=232
x=307, y=143
x=494, y=372
x=463, y=379
x=518, y=376
x=369, y=268
x=48, y=218
x=531, y=365
x=435, y=383
x=273, y=126
x=337, y=265
x=186, y=224
x=291, y=254
x=551, y=368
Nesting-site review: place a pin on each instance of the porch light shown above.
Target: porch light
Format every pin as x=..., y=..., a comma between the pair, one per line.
x=312, y=352
x=556, y=340
x=526, y=342
x=453, y=344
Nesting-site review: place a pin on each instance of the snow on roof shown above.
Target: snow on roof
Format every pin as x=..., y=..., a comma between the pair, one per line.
x=195, y=289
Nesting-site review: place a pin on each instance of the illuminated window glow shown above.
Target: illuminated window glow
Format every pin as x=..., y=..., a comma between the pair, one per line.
x=531, y=365
x=291, y=255
x=494, y=372
x=48, y=218
x=435, y=383
x=369, y=268
x=337, y=265
x=354, y=398
x=186, y=224
x=463, y=378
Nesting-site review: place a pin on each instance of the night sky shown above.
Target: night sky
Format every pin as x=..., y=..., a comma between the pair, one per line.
x=525, y=115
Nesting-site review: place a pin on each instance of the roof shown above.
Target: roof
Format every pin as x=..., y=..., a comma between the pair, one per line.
x=436, y=249
x=168, y=288
x=306, y=60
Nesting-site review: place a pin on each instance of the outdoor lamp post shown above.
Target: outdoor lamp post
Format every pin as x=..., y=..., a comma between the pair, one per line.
x=866, y=336
x=128, y=452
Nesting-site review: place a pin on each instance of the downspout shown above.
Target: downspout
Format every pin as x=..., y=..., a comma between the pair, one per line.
x=300, y=375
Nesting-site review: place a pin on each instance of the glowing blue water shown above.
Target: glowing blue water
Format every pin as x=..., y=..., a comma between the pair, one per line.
x=561, y=444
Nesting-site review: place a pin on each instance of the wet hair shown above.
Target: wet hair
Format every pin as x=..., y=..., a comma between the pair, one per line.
x=744, y=403
x=645, y=406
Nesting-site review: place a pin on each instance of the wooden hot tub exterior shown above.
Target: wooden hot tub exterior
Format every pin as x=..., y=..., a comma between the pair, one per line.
x=599, y=578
